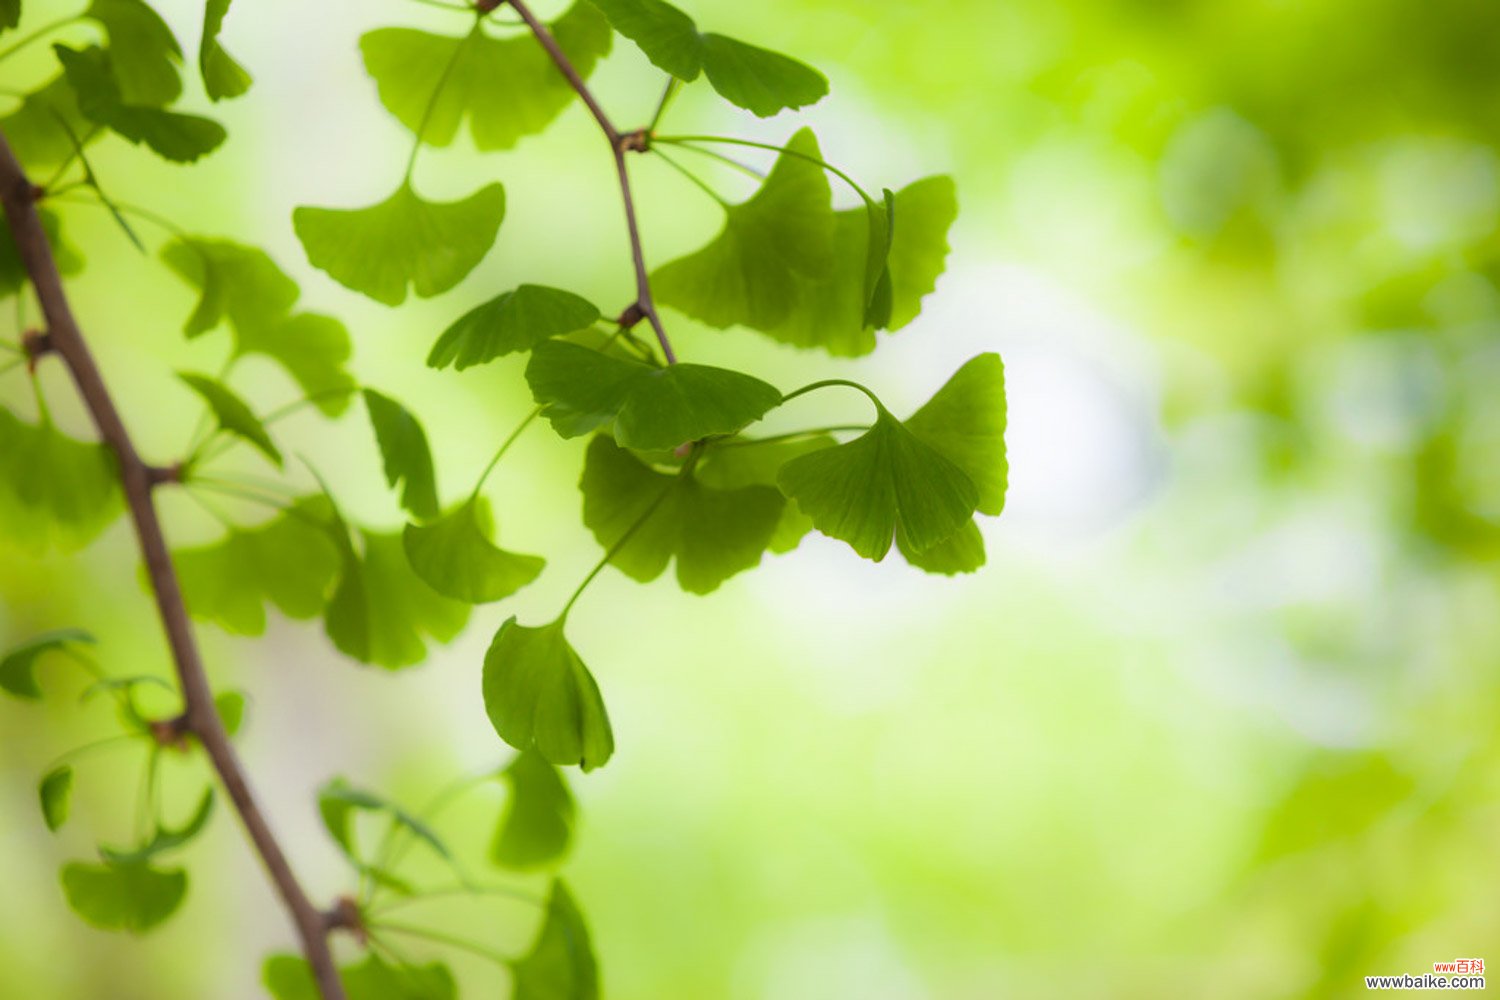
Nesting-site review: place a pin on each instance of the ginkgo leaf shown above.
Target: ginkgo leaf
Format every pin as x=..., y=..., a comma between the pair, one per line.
x=507, y=88
x=143, y=51
x=405, y=453
x=314, y=349
x=652, y=408
x=166, y=838
x=513, y=321
x=741, y=463
x=539, y=695
x=751, y=273
x=712, y=533
x=222, y=76
x=964, y=421
x=43, y=129
x=885, y=482
x=536, y=828
x=381, y=610
x=756, y=79
x=338, y=801
x=54, y=490
x=133, y=897
x=403, y=241
x=960, y=552
x=233, y=414
x=18, y=666
x=924, y=211
x=170, y=134
x=290, y=561
x=54, y=793
x=561, y=963
x=289, y=977
x=455, y=556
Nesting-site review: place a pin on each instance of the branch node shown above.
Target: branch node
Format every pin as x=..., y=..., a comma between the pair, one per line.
x=638, y=141
x=36, y=344
x=344, y=915
x=486, y=6
x=173, y=733
x=160, y=475
x=631, y=316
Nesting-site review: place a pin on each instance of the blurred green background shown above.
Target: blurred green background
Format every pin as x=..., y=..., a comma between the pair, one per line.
x=1216, y=720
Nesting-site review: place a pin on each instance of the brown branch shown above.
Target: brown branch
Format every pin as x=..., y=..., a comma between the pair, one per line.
x=138, y=479
x=620, y=143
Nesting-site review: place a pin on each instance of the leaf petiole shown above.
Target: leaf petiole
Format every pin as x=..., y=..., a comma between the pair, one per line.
x=686, y=142
x=829, y=382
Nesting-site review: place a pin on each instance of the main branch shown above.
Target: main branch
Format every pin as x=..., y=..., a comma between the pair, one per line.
x=200, y=718
x=620, y=143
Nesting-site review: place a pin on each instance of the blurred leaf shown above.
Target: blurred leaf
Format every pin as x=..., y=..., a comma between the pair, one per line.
x=166, y=838
x=338, y=801
x=314, y=350
x=10, y=14
x=55, y=792
x=222, y=76
x=538, y=694
x=536, y=828
x=402, y=241
x=961, y=552
x=289, y=977
x=744, y=462
x=756, y=79
x=405, y=453
x=712, y=533
x=132, y=897
x=233, y=414
x=511, y=322
x=752, y=271
x=431, y=83
x=231, y=708
x=653, y=408
x=455, y=556
x=53, y=489
x=143, y=51
x=173, y=136
x=42, y=129
x=560, y=964
x=965, y=423
x=381, y=610
x=1340, y=796
x=18, y=667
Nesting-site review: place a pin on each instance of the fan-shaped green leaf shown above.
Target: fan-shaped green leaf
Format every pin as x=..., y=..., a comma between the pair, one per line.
x=53, y=489
x=404, y=450
x=233, y=414
x=539, y=695
x=511, y=322
x=741, y=463
x=171, y=135
x=560, y=964
x=712, y=533
x=667, y=36
x=18, y=666
x=314, y=350
x=381, y=610
x=123, y=897
x=289, y=977
x=402, y=241
x=961, y=552
x=924, y=211
x=753, y=270
x=965, y=423
x=455, y=556
x=222, y=76
x=55, y=793
x=536, y=828
x=507, y=88
x=43, y=128
x=143, y=51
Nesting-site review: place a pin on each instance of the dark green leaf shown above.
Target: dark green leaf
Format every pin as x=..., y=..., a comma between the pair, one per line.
x=10, y=14
x=173, y=136
x=538, y=694
x=507, y=88
x=142, y=49
x=123, y=897
x=514, y=321
x=405, y=453
x=222, y=76
x=338, y=801
x=53, y=489
x=667, y=36
x=965, y=423
x=560, y=964
x=961, y=552
x=166, y=838
x=381, y=610
x=233, y=414
x=537, y=826
x=18, y=667
x=743, y=463
x=54, y=792
x=455, y=556
x=402, y=241
x=289, y=977
x=712, y=533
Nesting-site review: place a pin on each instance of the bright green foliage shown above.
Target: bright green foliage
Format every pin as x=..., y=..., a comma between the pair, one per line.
x=560, y=964
x=507, y=88
x=53, y=489
x=289, y=977
x=222, y=76
x=652, y=408
x=756, y=79
x=13, y=273
x=290, y=561
x=231, y=708
x=55, y=793
x=381, y=610
x=740, y=464
x=171, y=135
x=924, y=212
x=402, y=241
x=233, y=414
x=314, y=350
x=133, y=897
x=539, y=695
x=886, y=481
x=143, y=52
x=961, y=552
x=405, y=452
x=18, y=666
x=770, y=245
x=338, y=801
x=965, y=423
x=712, y=533
x=537, y=826
x=42, y=129
x=511, y=322
x=166, y=838
x=455, y=556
